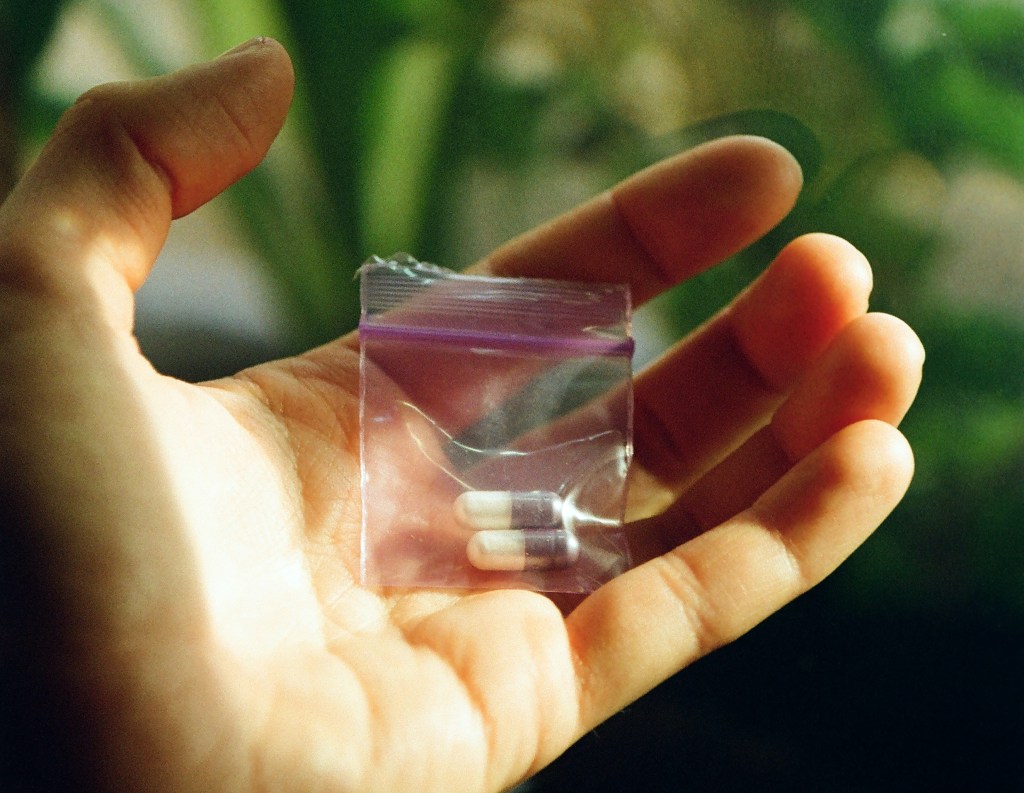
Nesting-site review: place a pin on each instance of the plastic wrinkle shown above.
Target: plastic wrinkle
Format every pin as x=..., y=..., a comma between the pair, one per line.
x=433, y=450
x=495, y=429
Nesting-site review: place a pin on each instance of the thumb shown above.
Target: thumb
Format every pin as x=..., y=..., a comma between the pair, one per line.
x=129, y=157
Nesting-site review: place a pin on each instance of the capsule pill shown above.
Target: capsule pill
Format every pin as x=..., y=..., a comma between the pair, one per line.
x=485, y=510
x=516, y=550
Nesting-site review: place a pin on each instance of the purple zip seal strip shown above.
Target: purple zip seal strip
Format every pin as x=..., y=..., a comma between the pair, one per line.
x=575, y=347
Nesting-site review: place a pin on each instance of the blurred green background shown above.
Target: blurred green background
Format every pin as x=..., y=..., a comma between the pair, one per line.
x=443, y=127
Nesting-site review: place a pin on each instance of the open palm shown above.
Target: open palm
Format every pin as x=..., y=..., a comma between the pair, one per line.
x=190, y=612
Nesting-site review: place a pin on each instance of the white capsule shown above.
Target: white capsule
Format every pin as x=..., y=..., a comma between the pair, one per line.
x=515, y=550
x=485, y=510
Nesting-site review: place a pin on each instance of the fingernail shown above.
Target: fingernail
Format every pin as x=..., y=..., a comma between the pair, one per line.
x=245, y=45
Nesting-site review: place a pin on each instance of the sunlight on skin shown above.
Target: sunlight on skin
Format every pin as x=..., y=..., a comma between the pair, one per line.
x=255, y=578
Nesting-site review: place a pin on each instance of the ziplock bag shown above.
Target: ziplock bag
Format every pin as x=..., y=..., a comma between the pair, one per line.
x=495, y=429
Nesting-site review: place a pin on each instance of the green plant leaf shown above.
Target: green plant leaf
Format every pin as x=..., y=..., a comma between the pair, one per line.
x=991, y=35
x=411, y=94
x=24, y=30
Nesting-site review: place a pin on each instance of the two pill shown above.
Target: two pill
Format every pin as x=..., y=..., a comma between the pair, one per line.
x=517, y=531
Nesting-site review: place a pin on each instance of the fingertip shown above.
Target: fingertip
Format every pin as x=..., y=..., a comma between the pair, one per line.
x=881, y=352
x=871, y=372
x=869, y=459
x=766, y=171
x=235, y=106
x=752, y=159
x=822, y=255
x=888, y=330
x=756, y=182
x=890, y=345
x=775, y=161
x=269, y=55
x=884, y=457
x=256, y=44
x=701, y=206
x=817, y=285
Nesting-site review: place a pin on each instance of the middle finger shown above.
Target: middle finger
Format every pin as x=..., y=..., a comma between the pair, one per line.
x=709, y=393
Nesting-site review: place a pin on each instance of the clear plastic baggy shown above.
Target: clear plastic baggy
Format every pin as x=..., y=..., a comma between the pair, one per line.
x=495, y=429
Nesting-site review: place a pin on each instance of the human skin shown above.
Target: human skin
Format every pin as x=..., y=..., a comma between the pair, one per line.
x=182, y=604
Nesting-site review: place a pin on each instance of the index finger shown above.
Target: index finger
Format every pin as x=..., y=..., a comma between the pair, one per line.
x=660, y=226
x=664, y=224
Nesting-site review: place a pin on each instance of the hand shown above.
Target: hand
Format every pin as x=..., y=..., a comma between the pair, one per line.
x=183, y=559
